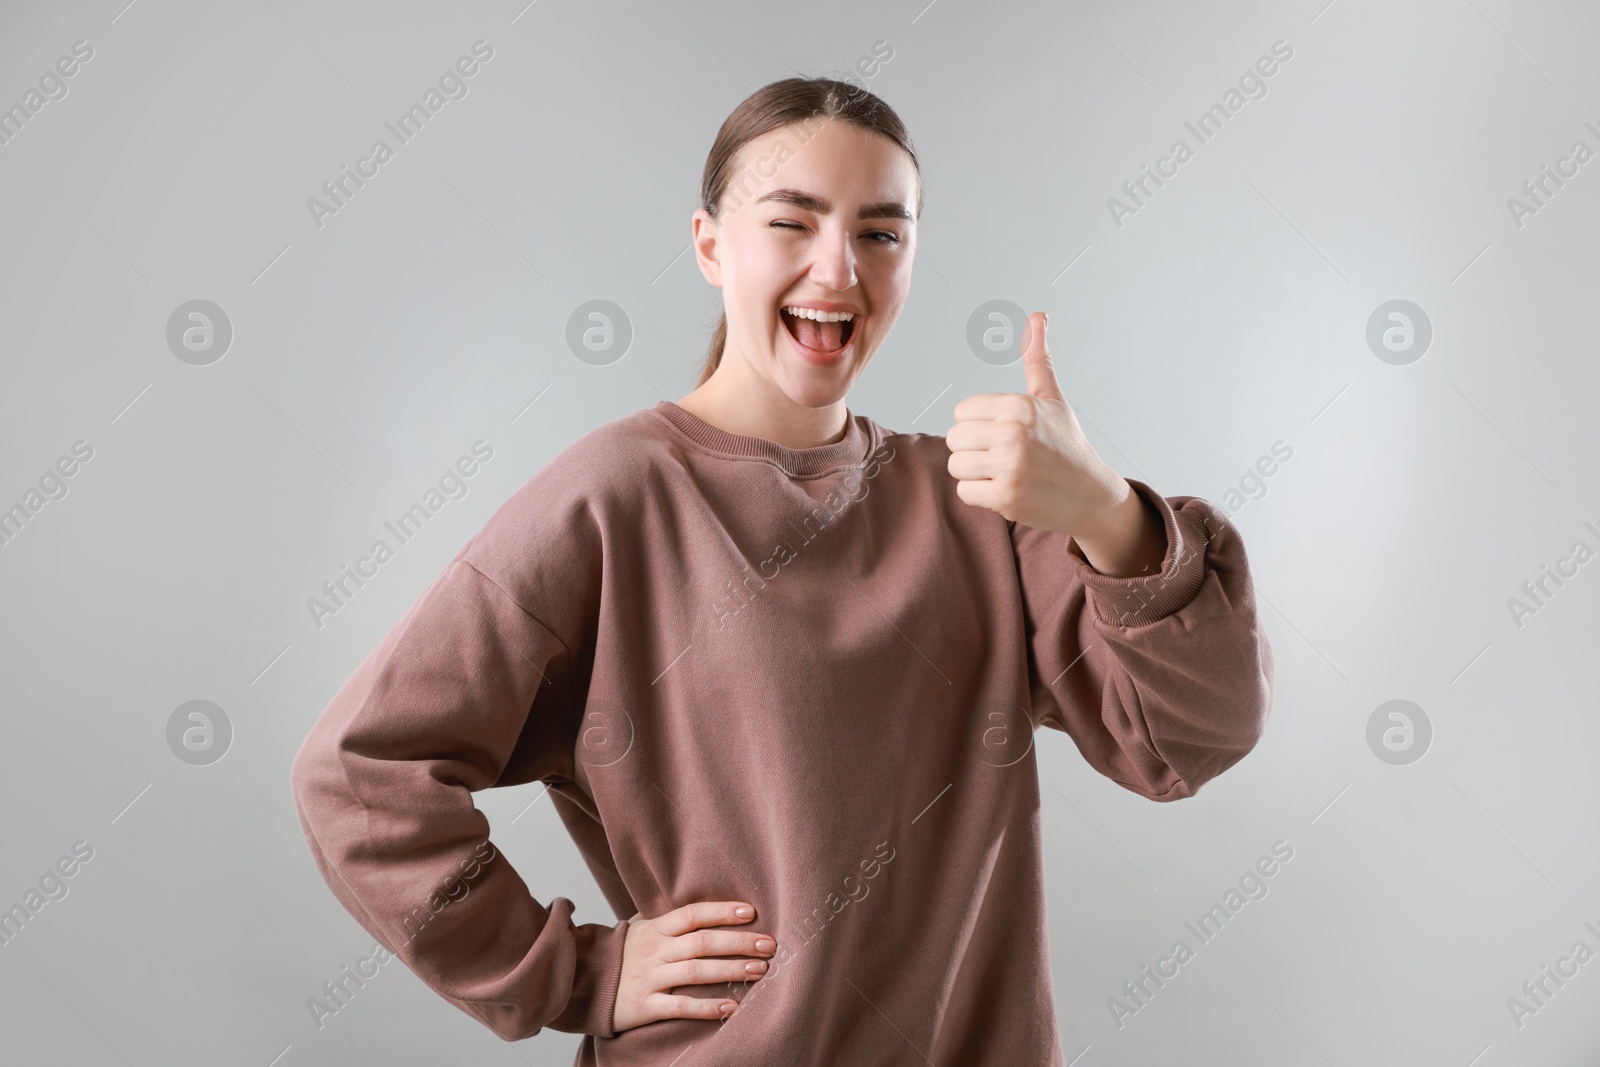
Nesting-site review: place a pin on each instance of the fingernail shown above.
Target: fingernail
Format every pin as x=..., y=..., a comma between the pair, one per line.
x=743, y=913
x=765, y=945
x=756, y=966
x=726, y=1008
x=1047, y=318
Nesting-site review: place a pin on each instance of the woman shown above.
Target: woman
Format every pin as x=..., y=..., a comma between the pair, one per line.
x=781, y=668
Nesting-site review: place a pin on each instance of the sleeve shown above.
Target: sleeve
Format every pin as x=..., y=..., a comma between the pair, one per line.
x=1163, y=681
x=466, y=684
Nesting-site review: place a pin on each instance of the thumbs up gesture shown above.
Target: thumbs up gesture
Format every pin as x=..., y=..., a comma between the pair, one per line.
x=1024, y=456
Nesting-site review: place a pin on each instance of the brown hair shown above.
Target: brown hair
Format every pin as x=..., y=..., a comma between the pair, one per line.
x=792, y=100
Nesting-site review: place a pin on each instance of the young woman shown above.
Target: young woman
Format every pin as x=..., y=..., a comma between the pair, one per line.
x=780, y=669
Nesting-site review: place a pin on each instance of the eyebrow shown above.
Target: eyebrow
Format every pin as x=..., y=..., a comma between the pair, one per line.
x=888, y=209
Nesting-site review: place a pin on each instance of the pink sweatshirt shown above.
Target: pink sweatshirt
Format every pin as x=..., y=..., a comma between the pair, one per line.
x=808, y=679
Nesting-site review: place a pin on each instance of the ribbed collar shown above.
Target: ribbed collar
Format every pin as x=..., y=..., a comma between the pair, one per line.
x=853, y=450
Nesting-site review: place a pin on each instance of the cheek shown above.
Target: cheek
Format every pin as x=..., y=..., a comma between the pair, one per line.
x=889, y=284
x=894, y=277
x=761, y=267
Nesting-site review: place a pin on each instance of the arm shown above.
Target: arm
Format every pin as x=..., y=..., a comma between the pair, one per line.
x=466, y=684
x=1163, y=680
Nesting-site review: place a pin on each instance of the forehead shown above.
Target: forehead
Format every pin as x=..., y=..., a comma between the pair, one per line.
x=832, y=158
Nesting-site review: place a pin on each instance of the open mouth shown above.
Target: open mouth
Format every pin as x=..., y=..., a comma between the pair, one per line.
x=823, y=339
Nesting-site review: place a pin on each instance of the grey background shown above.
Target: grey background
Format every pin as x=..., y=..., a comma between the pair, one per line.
x=1229, y=313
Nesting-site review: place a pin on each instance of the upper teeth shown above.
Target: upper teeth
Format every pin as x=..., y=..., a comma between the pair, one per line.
x=821, y=316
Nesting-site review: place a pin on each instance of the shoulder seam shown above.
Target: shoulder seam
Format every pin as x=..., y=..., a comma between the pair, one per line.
x=508, y=595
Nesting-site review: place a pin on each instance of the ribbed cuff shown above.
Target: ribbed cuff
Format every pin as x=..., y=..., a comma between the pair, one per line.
x=1140, y=599
x=594, y=981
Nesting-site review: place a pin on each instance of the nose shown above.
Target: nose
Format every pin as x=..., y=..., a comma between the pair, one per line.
x=835, y=262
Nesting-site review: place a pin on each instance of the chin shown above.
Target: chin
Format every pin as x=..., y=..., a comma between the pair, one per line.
x=815, y=394
x=810, y=391
x=812, y=386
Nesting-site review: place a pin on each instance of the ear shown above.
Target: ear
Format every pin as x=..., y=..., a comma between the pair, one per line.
x=703, y=230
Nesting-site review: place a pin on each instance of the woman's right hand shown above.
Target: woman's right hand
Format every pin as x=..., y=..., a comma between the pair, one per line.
x=664, y=952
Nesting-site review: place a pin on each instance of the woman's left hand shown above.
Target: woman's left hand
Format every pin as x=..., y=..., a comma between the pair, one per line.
x=1025, y=456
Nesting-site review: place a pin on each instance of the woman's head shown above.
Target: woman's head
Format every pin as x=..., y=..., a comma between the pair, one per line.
x=789, y=177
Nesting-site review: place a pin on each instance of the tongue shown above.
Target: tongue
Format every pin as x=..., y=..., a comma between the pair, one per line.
x=823, y=336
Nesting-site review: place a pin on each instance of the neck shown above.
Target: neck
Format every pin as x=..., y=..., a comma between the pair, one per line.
x=737, y=400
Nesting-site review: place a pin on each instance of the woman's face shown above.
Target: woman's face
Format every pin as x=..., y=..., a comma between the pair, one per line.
x=789, y=231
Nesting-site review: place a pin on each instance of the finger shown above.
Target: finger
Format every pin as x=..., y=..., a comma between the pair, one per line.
x=702, y=913
x=971, y=466
x=1041, y=372
x=989, y=406
x=980, y=493
x=982, y=434
x=706, y=972
x=718, y=943
x=668, y=1006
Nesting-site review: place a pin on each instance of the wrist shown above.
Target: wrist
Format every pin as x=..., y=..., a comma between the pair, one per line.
x=1129, y=540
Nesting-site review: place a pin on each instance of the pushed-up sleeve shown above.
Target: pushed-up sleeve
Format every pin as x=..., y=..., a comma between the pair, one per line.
x=1164, y=680
x=466, y=684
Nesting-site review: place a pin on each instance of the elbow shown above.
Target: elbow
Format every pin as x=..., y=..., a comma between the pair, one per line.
x=1215, y=761
x=1250, y=710
x=310, y=784
x=302, y=775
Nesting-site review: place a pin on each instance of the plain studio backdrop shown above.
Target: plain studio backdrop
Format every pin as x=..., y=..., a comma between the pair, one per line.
x=1440, y=456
